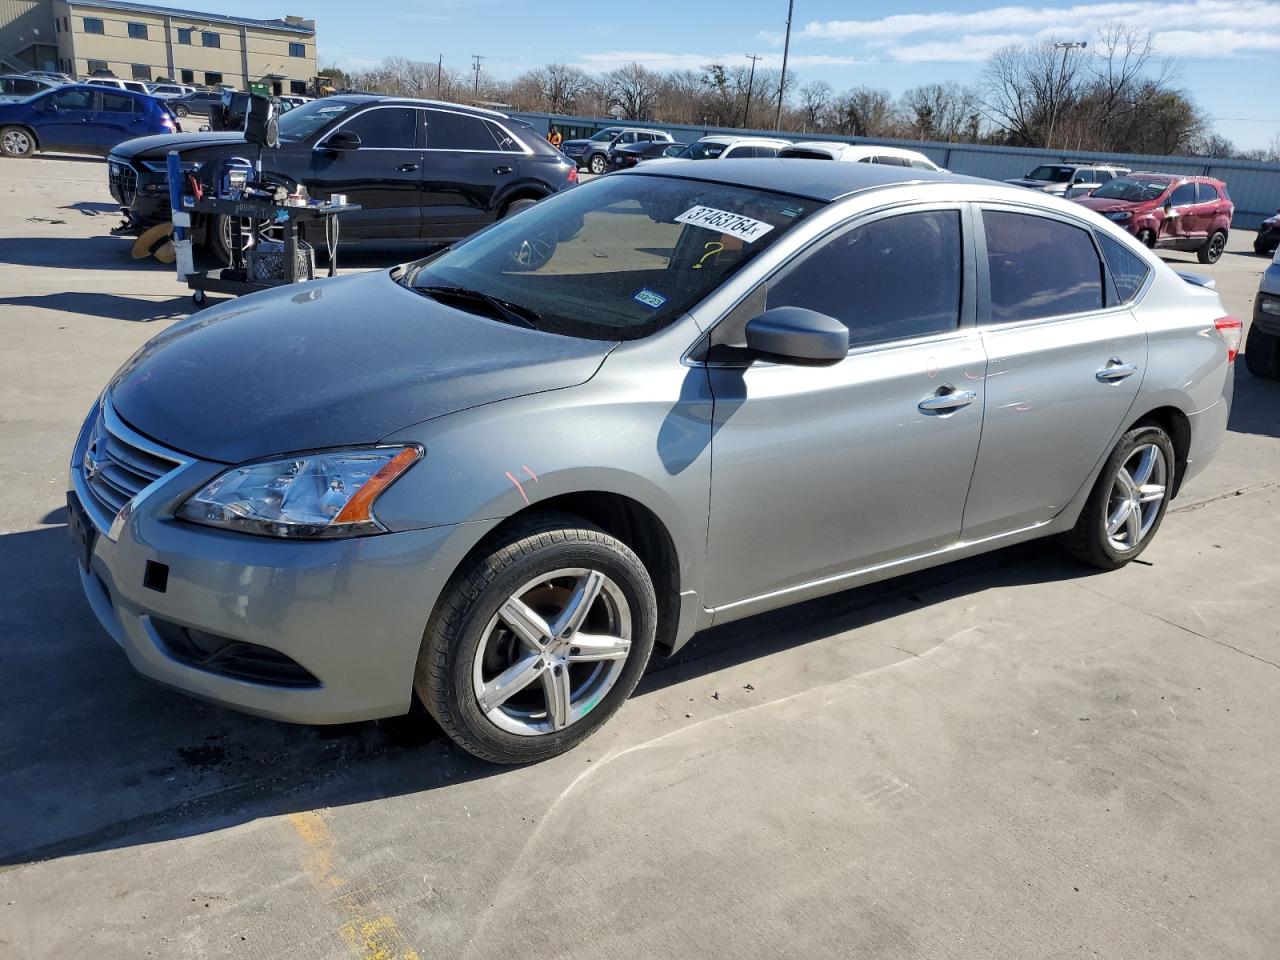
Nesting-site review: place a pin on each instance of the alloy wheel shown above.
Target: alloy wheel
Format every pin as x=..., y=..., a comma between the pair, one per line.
x=1136, y=496
x=552, y=652
x=16, y=143
x=1217, y=243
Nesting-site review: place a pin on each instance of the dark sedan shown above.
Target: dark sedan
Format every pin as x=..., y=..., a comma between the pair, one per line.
x=629, y=154
x=201, y=102
x=420, y=170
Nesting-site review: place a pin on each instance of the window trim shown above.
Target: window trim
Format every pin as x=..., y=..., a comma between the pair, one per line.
x=324, y=133
x=1113, y=289
x=524, y=147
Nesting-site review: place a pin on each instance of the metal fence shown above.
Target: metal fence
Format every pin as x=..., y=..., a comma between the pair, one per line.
x=1253, y=184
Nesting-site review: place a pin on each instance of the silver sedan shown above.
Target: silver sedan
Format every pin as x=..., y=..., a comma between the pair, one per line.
x=498, y=479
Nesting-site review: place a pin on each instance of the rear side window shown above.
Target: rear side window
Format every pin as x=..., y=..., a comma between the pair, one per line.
x=505, y=141
x=869, y=277
x=1039, y=267
x=921, y=165
x=891, y=161
x=387, y=127
x=1128, y=270
x=118, y=103
x=457, y=131
x=1184, y=195
x=1206, y=193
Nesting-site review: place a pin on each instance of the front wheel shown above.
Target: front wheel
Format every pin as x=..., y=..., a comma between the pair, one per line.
x=1262, y=353
x=16, y=142
x=1211, y=252
x=598, y=164
x=538, y=641
x=1128, y=501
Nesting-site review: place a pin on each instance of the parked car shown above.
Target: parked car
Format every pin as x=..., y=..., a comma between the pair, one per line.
x=78, y=118
x=293, y=100
x=508, y=495
x=54, y=75
x=727, y=147
x=858, y=153
x=1168, y=211
x=1262, y=349
x=136, y=86
x=169, y=90
x=199, y=101
x=18, y=86
x=593, y=154
x=419, y=169
x=1268, y=238
x=1069, y=178
x=629, y=154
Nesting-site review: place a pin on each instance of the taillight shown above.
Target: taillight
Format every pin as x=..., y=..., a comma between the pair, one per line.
x=573, y=175
x=1230, y=330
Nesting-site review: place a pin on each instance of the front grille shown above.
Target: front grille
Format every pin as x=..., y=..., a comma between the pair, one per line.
x=116, y=466
x=123, y=181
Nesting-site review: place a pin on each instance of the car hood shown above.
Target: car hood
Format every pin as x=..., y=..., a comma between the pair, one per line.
x=1106, y=204
x=162, y=143
x=574, y=143
x=331, y=363
x=1033, y=184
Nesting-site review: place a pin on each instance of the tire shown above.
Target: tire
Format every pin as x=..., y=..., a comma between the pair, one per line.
x=467, y=645
x=598, y=164
x=180, y=110
x=17, y=142
x=217, y=237
x=515, y=206
x=1211, y=252
x=1147, y=238
x=1262, y=354
x=1089, y=541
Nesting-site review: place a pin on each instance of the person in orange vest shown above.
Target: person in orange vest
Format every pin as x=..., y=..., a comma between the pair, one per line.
x=554, y=138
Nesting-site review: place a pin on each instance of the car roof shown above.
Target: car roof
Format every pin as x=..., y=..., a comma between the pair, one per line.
x=728, y=139
x=813, y=179
x=361, y=98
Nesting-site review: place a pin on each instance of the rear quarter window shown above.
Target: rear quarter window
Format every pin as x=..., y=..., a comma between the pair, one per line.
x=1128, y=270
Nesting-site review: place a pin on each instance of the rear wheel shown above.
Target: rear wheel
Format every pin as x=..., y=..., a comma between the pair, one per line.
x=1211, y=252
x=515, y=206
x=1262, y=354
x=1261, y=249
x=1128, y=501
x=17, y=142
x=180, y=110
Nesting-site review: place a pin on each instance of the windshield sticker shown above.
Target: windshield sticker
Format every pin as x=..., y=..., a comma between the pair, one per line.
x=733, y=224
x=650, y=299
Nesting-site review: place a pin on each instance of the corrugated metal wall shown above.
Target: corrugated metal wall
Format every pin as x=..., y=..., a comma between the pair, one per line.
x=1253, y=185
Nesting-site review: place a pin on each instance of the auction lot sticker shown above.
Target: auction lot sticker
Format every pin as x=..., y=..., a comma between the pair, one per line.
x=722, y=221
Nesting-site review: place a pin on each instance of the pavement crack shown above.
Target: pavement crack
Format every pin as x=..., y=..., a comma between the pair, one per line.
x=1237, y=492
x=1251, y=656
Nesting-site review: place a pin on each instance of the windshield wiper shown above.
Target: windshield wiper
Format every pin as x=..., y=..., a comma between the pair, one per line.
x=506, y=311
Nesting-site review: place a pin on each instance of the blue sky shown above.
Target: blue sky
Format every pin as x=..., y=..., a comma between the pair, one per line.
x=1229, y=50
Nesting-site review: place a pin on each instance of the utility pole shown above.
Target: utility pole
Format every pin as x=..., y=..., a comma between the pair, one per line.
x=440, y=78
x=1066, y=46
x=475, y=66
x=751, y=83
x=786, y=48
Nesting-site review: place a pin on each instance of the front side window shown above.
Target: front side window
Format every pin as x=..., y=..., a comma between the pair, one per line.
x=209, y=39
x=892, y=279
x=93, y=25
x=387, y=128
x=301, y=122
x=1039, y=267
x=606, y=134
x=1052, y=173
x=457, y=131
x=138, y=31
x=73, y=100
x=616, y=259
x=118, y=103
x=1128, y=270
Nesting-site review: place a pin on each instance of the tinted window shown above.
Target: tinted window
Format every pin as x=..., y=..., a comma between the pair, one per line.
x=1128, y=270
x=1054, y=174
x=393, y=127
x=1183, y=195
x=504, y=140
x=73, y=99
x=869, y=278
x=1206, y=193
x=1103, y=176
x=118, y=103
x=890, y=161
x=1039, y=267
x=921, y=165
x=766, y=151
x=457, y=131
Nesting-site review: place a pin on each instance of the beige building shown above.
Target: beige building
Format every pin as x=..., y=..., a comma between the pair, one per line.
x=137, y=41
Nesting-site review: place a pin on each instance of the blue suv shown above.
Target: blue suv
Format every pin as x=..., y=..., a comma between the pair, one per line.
x=79, y=118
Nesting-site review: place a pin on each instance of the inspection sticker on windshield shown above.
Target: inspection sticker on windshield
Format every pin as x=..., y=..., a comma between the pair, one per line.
x=722, y=221
x=650, y=299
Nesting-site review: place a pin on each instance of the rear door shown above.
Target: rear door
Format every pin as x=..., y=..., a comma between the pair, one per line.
x=468, y=162
x=65, y=118
x=1064, y=363
x=1205, y=210
x=119, y=117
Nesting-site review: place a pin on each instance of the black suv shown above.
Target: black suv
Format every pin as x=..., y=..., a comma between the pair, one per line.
x=420, y=170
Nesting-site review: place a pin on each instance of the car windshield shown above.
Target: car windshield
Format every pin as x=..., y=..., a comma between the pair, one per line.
x=606, y=134
x=615, y=259
x=1134, y=191
x=1051, y=173
x=302, y=122
x=702, y=151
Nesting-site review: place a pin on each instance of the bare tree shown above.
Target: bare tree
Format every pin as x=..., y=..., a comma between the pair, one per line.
x=941, y=111
x=633, y=90
x=1025, y=85
x=865, y=112
x=815, y=100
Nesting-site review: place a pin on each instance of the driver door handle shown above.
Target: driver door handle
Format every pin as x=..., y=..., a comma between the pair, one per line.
x=1115, y=370
x=504, y=169
x=407, y=167
x=947, y=398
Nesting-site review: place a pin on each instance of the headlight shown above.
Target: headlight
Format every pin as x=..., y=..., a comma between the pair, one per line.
x=310, y=496
x=162, y=166
x=1269, y=305
x=1118, y=215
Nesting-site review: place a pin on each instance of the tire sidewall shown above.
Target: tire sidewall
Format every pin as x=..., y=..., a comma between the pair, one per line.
x=1148, y=433
x=31, y=143
x=598, y=158
x=1205, y=253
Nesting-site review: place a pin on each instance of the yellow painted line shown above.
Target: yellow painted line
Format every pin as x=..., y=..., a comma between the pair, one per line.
x=377, y=938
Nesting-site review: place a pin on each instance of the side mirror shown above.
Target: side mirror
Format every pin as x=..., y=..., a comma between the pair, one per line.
x=799, y=337
x=341, y=140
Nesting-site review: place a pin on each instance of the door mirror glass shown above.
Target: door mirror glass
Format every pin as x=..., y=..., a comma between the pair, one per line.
x=796, y=336
x=341, y=140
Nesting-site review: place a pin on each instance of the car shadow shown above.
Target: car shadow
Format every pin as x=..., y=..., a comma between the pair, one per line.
x=75, y=253
x=1255, y=408
x=110, y=306
x=93, y=208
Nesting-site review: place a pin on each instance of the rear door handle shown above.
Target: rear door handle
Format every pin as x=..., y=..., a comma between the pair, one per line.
x=1115, y=371
x=947, y=398
x=504, y=169
x=407, y=167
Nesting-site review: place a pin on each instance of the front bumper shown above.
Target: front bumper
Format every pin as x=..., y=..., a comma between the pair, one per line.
x=144, y=195
x=350, y=612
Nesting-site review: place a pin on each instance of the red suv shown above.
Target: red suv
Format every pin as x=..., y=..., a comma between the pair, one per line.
x=1166, y=210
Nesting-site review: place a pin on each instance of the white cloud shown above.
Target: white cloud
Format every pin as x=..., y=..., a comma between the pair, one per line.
x=655, y=60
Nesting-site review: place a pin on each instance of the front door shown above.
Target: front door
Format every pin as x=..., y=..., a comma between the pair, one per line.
x=65, y=119
x=468, y=163
x=1179, y=216
x=1064, y=366
x=820, y=472
x=383, y=175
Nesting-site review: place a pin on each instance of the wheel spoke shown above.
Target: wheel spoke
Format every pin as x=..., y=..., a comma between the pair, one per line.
x=530, y=628
x=1133, y=527
x=586, y=647
x=1118, y=517
x=584, y=597
x=555, y=685
x=1125, y=482
x=1146, y=465
x=1150, y=492
x=510, y=682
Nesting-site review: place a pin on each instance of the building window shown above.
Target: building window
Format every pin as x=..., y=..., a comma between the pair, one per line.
x=298, y=87
x=93, y=25
x=138, y=31
x=97, y=66
x=188, y=76
x=210, y=39
x=184, y=35
x=57, y=28
x=297, y=49
x=141, y=71
x=66, y=24
x=212, y=79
